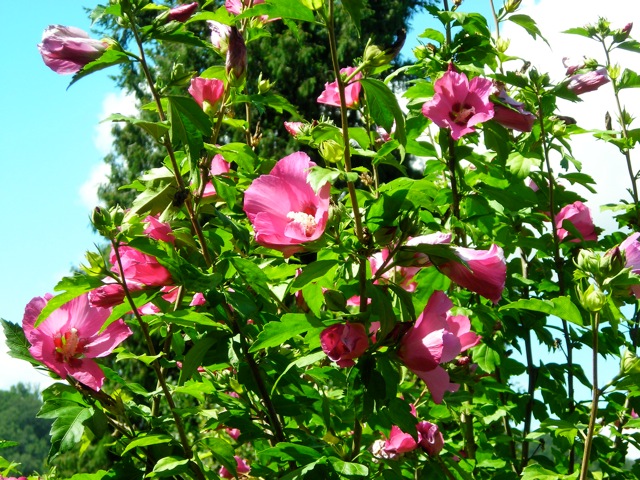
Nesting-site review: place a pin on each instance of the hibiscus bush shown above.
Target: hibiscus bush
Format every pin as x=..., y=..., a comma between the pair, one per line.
x=404, y=296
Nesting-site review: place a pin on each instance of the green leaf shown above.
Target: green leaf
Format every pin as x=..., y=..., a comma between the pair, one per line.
x=277, y=333
x=7, y=444
x=69, y=418
x=432, y=34
x=223, y=452
x=188, y=124
x=354, y=8
x=630, y=45
x=384, y=107
x=111, y=56
x=583, y=32
x=156, y=129
x=252, y=275
x=193, y=358
x=286, y=451
x=348, y=469
x=629, y=79
x=240, y=153
x=273, y=101
x=72, y=287
x=140, y=298
x=486, y=358
x=312, y=272
x=146, y=359
x=293, y=9
x=169, y=466
x=520, y=165
x=144, y=440
x=561, y=307
x=529, y=24
x=318, y=176
x=17, y=342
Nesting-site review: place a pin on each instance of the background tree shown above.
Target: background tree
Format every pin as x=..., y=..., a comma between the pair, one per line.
x=295, y=60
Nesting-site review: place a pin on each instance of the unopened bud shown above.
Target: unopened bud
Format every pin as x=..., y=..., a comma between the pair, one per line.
x=313, y=4
x=236, y=64
x=511, y=6
x=263, y=85
x=101, y=219
x=335, y=300
x=331, y=151
x=593, y=299
x=629, y=363
x=502, y=44
x=588, y=262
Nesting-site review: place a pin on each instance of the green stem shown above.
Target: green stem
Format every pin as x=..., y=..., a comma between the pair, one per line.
x=584, y=469
x=188, y=452
x=167, y=144
x=345, y=123
x=559, y=264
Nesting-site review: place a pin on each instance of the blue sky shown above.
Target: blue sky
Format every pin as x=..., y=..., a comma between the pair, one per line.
x=48, y=137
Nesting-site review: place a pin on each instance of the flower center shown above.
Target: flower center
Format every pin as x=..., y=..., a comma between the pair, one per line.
x=69, y=345
x=305, y=220
x=461, y=113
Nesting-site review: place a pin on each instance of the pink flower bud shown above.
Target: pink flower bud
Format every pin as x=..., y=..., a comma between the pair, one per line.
x=579, y=215
x=398, y=443
x=511, y=114
x=66, y=50
x=219, y=36
x=236, y=64
x=208, y=92
x=159, y=230
x=344, y=342
x=430, y=438
x=293, y=128
x=184, y=12
x=588, y=82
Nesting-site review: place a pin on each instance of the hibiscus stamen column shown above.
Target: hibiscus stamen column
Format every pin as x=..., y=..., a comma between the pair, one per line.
x=188, y=452
x=167, y=142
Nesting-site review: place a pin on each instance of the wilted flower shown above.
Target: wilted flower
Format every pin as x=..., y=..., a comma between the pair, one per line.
x=208, y=92
x=242, y=468
x=579, y=215
x=70, y=337
x=344, y=342
x=430, y=438
x=331, y=93
x=141, y=271
x=511, y=114
x=588, y=82
x=66, y=50
x=158, y=230
x=182, y=13
x=437, y=337
x=283, y=208
x=459, y=104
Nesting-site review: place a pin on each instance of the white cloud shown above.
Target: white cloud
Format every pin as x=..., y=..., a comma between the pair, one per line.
x=113, y=103
x=600, y=160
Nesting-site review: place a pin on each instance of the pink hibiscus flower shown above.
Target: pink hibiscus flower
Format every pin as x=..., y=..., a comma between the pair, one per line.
x=66, y=50
x=158, y=230
x=283, y=208
x=331, y=94
x=241, y=467
x=631, y=249
x=579, y=215
x=70, y=337
x=140, y=271
x=459, y=104
x=344, y=342
x=437, y=337
x=219, y=166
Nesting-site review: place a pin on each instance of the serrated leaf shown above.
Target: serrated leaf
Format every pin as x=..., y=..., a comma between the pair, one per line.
x=17, y=342
x=319, y=176
x=520, y=165
x=486, y=358
x=628, y=79
x=290, y=325
x=68, y=425
x=583, y=32
x=630, y=45
x=252, y=275
x=561, y=307
x=223, y=452
x=7, y=444
x=384, y=108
